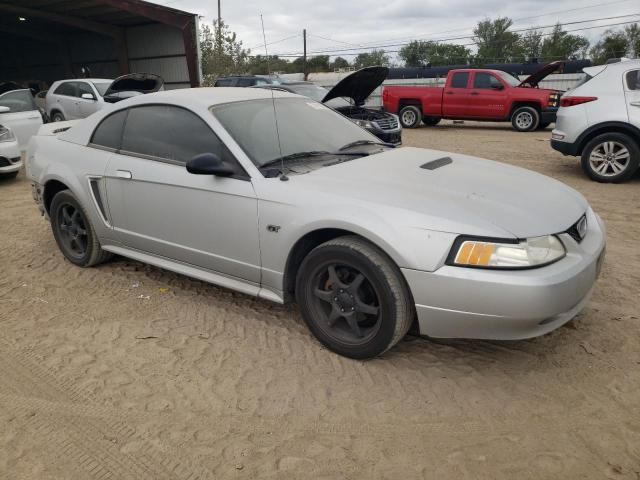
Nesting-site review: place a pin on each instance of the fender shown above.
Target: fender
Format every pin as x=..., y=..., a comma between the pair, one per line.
x=603, y=127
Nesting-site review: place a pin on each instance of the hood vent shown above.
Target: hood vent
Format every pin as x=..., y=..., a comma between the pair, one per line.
x=440, y=162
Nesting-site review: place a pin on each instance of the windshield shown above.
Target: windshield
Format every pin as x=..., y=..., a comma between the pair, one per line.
x=510, y=79
x=318, y=93
x=101, y=87
x=304, y=126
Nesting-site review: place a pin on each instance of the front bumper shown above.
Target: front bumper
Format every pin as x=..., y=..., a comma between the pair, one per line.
x=10, y=164
x=388, y=136
x=548, y=116
x=454, y=302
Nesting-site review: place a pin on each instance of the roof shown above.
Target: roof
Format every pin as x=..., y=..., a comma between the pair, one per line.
x=48, y=14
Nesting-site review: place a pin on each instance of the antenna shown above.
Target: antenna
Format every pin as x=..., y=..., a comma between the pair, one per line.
x=283, y=176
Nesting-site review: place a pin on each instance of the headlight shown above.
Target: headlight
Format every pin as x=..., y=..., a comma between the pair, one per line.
x=533, y=252
x=6, y=135
x=364, y=123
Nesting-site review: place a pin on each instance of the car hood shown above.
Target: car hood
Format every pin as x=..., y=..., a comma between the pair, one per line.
x=535, y=78
x=450, y=193
x=359, y=85
x=133, y=84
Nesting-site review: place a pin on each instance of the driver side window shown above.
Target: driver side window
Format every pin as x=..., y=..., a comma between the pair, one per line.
x=171, y=134
x=485, y=81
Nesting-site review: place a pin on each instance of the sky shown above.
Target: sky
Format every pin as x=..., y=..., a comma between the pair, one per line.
x=343, y=26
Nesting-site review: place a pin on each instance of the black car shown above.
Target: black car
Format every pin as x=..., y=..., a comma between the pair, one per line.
x=348, y=98
x=245, y=81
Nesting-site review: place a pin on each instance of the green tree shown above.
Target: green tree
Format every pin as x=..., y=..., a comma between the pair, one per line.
x=221, y=51
x=532, y=43
x=559, y=45
x=370, y=59
x=339, y=62
x=319, y=63
x=632, y=33
x=420, y=53
x=495, y=42
x=258, y=65
x=612, y=45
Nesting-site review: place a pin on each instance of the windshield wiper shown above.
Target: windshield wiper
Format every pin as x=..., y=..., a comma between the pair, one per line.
x=365, y=142
x=312, y=153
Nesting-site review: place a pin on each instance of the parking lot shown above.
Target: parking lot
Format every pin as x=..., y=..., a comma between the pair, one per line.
x=126, y=371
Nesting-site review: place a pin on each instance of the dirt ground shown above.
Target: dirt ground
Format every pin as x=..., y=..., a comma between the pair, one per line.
x=126, y=371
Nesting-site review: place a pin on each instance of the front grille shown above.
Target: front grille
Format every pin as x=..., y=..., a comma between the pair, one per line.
x=387, y=123
x=4, y=162
x=578, y=230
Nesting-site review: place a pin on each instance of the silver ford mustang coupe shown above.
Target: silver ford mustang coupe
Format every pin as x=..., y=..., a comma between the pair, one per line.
x=283, y=198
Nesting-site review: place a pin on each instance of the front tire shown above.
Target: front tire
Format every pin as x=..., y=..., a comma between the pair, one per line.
x=525, y=119
x=611, y=158
x=410, y=116
x=353, y=298
x=57, y=117
x=73, y=231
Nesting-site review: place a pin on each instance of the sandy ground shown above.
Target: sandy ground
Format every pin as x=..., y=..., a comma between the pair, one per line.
x=130, y=372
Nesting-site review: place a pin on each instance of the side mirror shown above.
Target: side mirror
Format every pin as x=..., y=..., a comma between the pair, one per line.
x=210, y=164
x=497, y=87
x=5, y=109
x=88, y=96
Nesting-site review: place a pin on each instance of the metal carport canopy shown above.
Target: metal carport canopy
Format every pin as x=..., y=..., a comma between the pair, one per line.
x=45, y=40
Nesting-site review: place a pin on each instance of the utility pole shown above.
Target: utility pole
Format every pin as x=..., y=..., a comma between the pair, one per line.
x=219, y=32
x=219, y=12
x=304, y=57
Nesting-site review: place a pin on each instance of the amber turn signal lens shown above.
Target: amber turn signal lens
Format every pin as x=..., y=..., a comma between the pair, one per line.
x=475, y=253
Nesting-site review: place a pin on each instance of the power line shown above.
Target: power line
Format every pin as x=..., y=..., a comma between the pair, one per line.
x=493, y=43
x=345, y=51
x=514, y=20
x=276, y=41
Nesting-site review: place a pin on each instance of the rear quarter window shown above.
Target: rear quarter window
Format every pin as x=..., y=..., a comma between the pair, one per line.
x=460, y=80
x=109, y=132
x=632, y=79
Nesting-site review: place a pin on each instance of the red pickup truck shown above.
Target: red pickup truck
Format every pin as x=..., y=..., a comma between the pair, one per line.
x=476, y=94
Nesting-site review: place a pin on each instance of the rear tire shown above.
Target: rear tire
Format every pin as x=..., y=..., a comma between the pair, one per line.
x=431, y=121
x=57, y=117
x=525, y=119
x=73, y=231
x=354, y=298
x=611, y=158
x=410, y=116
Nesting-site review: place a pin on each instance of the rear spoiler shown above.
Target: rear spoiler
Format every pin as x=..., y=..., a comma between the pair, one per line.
x=55, y=128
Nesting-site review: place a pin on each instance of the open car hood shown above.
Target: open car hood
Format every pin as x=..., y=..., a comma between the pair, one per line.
x=359, y=85
x=535, y=78
x=131, y=85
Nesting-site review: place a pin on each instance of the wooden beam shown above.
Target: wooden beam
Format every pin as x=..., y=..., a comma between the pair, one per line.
x=190, y=39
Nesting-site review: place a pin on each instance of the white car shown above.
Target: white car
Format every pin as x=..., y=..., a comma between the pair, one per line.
x=19, y=112
x=10, y=159
x=368, y=239
x=600, y=121
x=79, y=98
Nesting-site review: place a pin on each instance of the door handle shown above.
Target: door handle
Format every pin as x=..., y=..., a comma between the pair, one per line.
x=635, y=104
x=126, y=174
x=449, y=93
x=474, y=93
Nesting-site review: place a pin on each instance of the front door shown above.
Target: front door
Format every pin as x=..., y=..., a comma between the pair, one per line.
x=487, y=98
x=157, y=207
x=86, y=106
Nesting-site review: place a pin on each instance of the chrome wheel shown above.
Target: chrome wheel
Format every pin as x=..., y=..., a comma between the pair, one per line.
x=609, y=159
x=409, y=117
x=524, y=120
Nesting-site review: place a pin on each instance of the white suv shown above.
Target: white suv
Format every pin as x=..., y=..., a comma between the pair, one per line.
x=73, y=99
x=600, y=121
